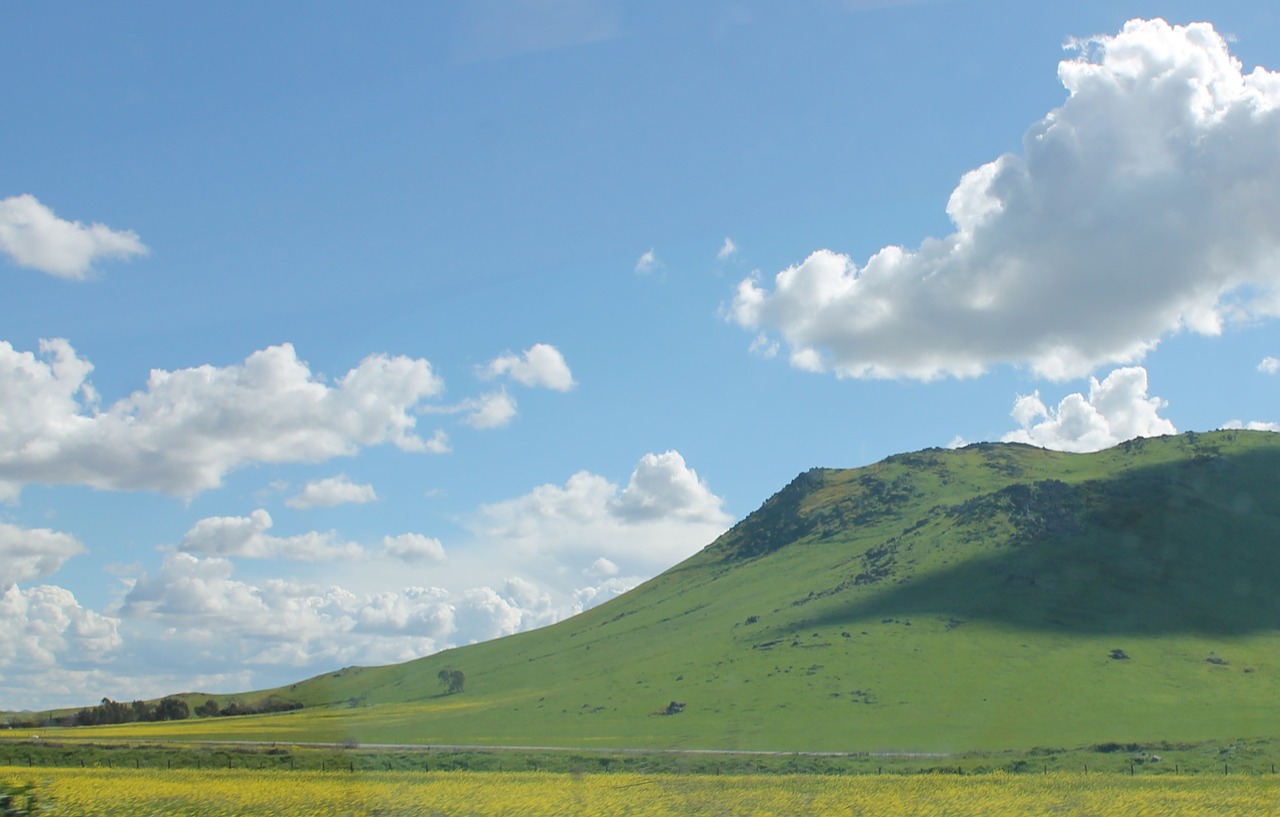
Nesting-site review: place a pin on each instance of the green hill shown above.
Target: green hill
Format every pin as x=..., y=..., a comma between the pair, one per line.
x=994, y=596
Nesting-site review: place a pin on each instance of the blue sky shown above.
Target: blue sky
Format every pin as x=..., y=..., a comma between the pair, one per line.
x=340, y=334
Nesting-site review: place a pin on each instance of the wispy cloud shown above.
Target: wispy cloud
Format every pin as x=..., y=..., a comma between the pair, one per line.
x=501, y=29
x=647, y=262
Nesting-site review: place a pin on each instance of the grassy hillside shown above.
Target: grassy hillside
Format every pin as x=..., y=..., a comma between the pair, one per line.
x=993, y=596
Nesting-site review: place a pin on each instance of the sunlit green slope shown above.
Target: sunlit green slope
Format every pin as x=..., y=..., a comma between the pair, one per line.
x=993, y=596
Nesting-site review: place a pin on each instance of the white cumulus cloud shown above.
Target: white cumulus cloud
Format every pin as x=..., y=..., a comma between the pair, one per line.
x=326, y=493
x=540, y=365
x=1143, y=206
x=414, y=547
x=33, y=236
x=188, y=428
x=665, y=513
x=492, y=410
x=44, y=627
x=602, y=567
x=247, y=537
x=33, y=553
x=194, y=614
x=663, y=487
x=1269, y=365
x=1116, y=409
x=727, y=249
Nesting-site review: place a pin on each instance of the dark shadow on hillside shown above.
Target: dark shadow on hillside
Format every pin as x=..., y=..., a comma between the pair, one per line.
x=1191, y=547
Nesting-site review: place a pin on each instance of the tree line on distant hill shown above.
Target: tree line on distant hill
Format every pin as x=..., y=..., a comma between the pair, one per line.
x=113, y=712
x=169, y=709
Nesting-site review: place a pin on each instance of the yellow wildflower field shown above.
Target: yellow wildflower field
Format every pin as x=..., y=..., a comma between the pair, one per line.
x=214, y=793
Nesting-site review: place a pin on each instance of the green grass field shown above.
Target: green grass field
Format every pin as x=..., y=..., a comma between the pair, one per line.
x=940, y=601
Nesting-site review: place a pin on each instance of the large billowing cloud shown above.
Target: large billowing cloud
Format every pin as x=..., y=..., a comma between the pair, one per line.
x=33, y=553
x=1116, y=409
x=1144, y=205
x=33, y=236
x=43, y=627
x=188, y=428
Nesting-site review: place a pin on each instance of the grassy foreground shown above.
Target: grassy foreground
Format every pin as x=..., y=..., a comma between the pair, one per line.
x=128, y=792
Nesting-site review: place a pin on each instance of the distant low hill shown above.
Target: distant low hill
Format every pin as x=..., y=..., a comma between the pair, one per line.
x=993, y=596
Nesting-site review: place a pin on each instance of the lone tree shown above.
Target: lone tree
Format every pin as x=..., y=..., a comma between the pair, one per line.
x=452, y=680
x=172, y=709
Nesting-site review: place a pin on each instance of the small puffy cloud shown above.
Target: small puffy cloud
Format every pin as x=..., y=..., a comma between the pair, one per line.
x=602, y=567
x=33, y=236
x=246, y=536
x=647, y=263
x=33, y=553
x=45, y=627
x=1269, y=365
x=584, y=598
x=727, y=249
x=1139, y=208
x=188, y=428
x=414, y=547
x=326, y=493
x=439, y=443
x=1116, y=409
x=492, y=410
x=662, y=486
x=540, y=365
x=665, y=513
